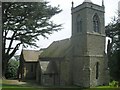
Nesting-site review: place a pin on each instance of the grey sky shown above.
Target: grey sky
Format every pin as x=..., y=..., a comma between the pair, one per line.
x=111, y=7
x=64, y=17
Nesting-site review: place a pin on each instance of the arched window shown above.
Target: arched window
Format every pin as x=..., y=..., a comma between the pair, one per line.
x=79, y=24
x=97, y=70
x=96, y=23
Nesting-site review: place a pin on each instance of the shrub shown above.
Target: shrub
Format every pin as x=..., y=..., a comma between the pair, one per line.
x=12, y=68
x=114, y=83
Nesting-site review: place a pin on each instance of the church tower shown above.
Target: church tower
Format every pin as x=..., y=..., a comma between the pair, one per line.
x=88, y=42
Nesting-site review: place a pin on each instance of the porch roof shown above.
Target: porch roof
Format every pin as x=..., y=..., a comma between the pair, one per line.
x=30, y=55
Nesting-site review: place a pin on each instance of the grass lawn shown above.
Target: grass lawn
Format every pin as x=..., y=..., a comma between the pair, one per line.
x=15, y=85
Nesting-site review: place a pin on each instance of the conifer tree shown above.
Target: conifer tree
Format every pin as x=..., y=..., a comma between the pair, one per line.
x=24, y=22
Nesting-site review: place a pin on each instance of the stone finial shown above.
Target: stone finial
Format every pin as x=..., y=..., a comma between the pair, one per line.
x=102, y=2
x=72, y=4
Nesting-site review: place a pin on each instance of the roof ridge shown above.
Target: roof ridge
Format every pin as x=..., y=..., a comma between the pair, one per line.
x=30, y=50
x=63, y=39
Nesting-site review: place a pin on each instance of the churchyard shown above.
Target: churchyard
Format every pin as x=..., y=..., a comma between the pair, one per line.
x=31, y=85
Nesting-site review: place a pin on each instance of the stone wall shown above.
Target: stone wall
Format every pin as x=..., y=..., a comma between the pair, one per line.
x=48, y=79
x=101, y=70
x=95, y=44
x=65, y=73
x=81, y=72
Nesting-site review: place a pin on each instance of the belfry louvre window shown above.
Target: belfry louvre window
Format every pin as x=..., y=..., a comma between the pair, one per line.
x=79, y=24
x=96, y=23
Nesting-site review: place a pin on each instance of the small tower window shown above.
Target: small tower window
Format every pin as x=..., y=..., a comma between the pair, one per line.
x=96, y=23
x=79, y=24
x=97, y=70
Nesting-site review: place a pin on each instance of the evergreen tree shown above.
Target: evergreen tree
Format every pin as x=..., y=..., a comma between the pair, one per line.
x=24, y=22
x=113, y=31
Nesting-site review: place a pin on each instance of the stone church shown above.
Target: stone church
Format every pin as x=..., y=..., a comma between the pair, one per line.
x=81, y=59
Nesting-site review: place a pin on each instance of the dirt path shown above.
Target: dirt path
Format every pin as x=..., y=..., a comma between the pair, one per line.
x=13, y=82
x=29, y=83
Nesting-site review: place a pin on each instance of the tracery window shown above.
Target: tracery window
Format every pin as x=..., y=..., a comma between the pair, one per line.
x=96, y=23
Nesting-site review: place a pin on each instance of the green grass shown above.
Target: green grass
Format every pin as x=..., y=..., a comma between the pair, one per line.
x=103, y=87
x=9, y=85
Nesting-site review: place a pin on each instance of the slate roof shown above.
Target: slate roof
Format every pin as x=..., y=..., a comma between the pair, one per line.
x=57, y=49
x=31, y=55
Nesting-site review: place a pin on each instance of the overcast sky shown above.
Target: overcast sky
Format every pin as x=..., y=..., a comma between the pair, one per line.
x=111, y=7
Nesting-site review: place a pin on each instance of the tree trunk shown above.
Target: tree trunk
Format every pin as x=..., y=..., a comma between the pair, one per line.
x=4, y=67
